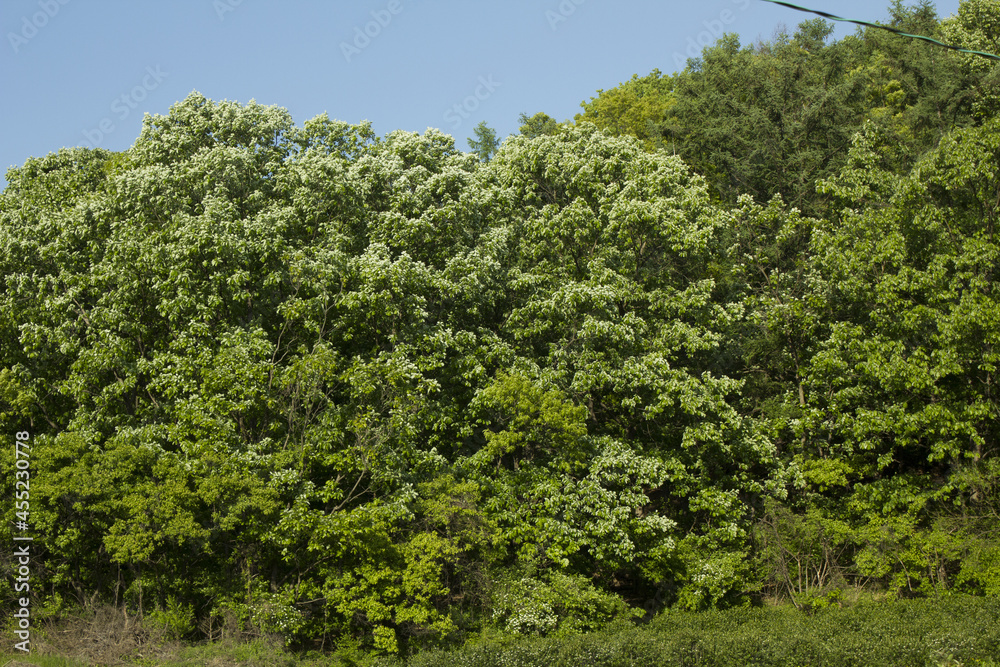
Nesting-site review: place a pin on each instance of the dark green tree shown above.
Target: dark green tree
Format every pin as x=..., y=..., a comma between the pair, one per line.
x=485, y=144
x=770, y=119
x=539, y=124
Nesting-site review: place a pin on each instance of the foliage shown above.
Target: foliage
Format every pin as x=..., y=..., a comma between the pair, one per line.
x=924, y=632
x=977, y=27
x=773, y=118
x=639, y=108
x=333, y=381
x=563, y=605
x=485, y=144
x=539, y=124
x=378, y=393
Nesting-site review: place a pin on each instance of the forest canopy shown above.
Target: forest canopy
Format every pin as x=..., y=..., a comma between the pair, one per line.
x=731, y=334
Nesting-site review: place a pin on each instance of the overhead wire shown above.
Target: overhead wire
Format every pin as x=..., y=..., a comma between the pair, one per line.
x=991, y=56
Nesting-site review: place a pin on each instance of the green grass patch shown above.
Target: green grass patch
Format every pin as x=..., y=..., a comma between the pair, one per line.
x=952, y=631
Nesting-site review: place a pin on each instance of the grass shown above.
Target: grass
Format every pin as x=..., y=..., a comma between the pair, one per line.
x=953, y=631
x=19, y=659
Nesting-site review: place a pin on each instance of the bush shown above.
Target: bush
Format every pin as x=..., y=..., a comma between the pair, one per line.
x=177, y=620
x=560, y=604
x=948, y=631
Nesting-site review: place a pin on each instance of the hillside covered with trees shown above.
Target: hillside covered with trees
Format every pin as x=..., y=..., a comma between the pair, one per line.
x=730, y=335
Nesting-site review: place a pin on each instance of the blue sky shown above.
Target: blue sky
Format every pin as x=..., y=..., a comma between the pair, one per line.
x=83, y=72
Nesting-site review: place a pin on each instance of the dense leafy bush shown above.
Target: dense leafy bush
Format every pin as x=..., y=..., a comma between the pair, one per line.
x=951, y=630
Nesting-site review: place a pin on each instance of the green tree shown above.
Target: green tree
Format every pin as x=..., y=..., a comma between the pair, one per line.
x=917, y=92
x=770, y=119
x=908, y=287
x=537, y=125
x=486, y=142
x=976, y=26
x=895, y=425
x=639, y=108
x=614, y=306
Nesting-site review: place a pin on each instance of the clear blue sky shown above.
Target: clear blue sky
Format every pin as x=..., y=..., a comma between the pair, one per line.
x=83, y=72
